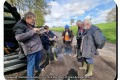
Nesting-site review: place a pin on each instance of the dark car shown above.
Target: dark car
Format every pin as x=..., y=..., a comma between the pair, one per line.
x=14, y=57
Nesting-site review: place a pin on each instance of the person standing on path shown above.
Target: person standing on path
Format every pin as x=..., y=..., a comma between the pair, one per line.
x=92, y=39
x=50, y=44
x=78, y=38
x=28, y=37
x=67, y=36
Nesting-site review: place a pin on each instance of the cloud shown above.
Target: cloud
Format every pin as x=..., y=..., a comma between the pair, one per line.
x=79, y=13
x=104, y=11
x=81, y=5
x=69, y=9
x=61, y=13
x=75, y=17
x=88, y=17
x=54, y=4
x=107, y=1
x=57, y=23
x=58, y=14
x=101, y=18
x=96, y=9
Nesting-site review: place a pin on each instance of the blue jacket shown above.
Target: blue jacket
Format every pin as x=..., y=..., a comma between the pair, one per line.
x=45, y=39
x=50, y=34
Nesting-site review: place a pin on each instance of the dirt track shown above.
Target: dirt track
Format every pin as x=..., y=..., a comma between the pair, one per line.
x=104, y=64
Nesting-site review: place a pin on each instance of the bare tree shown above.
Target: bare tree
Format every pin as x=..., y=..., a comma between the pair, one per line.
x=111, y=16
x=39, y=7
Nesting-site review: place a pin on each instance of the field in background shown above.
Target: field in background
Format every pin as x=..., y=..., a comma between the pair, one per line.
x=108, y=30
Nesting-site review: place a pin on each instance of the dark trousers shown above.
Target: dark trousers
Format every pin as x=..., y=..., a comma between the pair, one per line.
x=78, y=47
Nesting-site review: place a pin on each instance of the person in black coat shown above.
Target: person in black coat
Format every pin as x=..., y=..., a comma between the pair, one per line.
x=49, y=43
x=79, y=38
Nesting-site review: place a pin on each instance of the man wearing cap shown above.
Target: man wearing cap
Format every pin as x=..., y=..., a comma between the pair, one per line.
x=67, y=36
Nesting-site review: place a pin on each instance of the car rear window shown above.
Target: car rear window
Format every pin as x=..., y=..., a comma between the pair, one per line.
x=6, y=14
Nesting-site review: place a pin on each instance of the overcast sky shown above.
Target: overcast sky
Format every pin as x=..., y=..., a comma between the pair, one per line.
x=63, y=11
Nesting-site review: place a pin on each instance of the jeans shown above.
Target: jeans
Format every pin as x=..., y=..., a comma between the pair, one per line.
x=69, y=50
x=68, y=47
x=33, y=62
x=89, y=60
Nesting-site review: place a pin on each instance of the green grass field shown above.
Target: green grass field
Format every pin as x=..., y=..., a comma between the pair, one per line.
x=108, y=30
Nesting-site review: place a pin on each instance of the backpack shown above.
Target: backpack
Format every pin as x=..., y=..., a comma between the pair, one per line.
x=102, y=39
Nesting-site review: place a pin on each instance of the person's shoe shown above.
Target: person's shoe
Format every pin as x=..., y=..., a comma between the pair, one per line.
x=64, y=54
x=69, y=54
x=38, y=69
x=84, y=66
x=90, y=69
x=79, y=57
x=42, y=69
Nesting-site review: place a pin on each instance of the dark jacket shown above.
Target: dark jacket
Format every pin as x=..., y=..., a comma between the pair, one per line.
x=89, y=50
x=79, y=36
x=70, y=34
x=50, y=34
x=27, y=37
x=45, y=39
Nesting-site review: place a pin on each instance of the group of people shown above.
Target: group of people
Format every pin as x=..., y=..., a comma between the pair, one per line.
x=27, y=36
x=86, y=43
